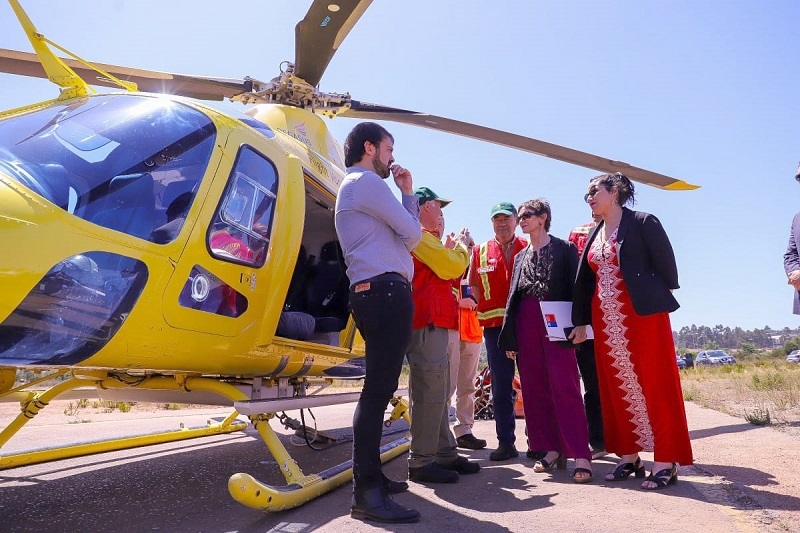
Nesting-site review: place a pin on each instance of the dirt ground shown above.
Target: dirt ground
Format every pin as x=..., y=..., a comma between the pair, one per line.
x=779, y=409
x=745, y=478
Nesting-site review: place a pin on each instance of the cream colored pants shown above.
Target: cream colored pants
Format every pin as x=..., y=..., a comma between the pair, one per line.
x=463, y=357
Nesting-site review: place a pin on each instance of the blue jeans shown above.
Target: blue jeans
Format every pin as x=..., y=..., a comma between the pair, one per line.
x=502, y=369
x=383, y=314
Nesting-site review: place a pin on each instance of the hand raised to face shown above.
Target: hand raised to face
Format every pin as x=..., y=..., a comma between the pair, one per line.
x=402, y=178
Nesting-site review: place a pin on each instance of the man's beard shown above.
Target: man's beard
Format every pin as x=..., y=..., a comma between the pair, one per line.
x=380, y=169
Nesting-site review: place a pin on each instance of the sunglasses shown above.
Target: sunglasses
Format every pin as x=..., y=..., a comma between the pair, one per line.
x=593, y=190
x=526, y=215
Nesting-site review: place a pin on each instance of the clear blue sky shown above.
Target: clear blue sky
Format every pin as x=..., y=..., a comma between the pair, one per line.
x=705, y=91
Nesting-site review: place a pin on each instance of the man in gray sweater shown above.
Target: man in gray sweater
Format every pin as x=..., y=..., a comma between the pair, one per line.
x=377, y=234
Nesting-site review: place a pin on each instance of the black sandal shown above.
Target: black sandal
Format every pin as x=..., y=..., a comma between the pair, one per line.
x=662, y=478
x=542, y=465
x=624, y=470
x=581, y=470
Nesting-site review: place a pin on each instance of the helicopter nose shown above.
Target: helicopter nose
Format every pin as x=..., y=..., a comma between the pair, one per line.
x=61, y=304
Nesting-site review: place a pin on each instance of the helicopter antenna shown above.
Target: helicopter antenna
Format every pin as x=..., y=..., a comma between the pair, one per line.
x=58, y=72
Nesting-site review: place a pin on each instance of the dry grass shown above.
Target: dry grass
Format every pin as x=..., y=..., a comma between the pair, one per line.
x=763, y=393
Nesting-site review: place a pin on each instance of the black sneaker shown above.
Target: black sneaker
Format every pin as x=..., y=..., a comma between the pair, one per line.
x=503, y=452
x=432, y=473
x=469, y=442
x=463, y=466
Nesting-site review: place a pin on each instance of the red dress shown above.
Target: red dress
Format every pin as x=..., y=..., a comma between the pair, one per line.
x=640, y=389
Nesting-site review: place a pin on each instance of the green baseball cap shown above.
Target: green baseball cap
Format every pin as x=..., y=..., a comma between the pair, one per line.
x=504, y=208
x=426, y=195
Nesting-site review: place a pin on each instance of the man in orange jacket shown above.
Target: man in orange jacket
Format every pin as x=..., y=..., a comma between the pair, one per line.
x=433, y=457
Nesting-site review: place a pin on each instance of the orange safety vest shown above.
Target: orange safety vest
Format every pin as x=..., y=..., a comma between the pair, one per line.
x=469, y=329
x=434, y=301
x=578, y=236
x=495, y=277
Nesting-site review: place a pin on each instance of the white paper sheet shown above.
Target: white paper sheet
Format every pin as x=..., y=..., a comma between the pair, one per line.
x=557, y=316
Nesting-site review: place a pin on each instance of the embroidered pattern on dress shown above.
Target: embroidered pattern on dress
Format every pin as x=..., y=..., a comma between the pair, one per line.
x=608, y=281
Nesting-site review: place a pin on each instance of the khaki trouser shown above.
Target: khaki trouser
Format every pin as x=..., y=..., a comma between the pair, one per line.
x=429, y=383
x=463, y=357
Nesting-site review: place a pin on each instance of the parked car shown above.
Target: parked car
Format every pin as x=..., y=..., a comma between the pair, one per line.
x=680, y=361
x=713, y=358
x=793, y=357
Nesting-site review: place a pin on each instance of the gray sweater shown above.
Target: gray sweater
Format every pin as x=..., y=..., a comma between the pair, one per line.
x=377, y=233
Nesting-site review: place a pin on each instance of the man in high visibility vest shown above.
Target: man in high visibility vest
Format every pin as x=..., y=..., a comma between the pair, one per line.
x=490, y=278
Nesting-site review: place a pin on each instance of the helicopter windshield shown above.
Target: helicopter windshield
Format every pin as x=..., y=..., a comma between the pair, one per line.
x=130, y=163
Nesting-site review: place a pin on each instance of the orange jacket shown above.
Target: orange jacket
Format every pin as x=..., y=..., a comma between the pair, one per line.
x=470, y=329
x=434, y=301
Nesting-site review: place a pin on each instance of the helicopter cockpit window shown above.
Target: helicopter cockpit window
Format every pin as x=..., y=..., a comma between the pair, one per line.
x=242, y=226
x=129, y=163
x=73, y=311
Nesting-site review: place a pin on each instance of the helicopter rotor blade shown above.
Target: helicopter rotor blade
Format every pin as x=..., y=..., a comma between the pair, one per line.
x=365, y=110
x=319, y=34
x=201, y=87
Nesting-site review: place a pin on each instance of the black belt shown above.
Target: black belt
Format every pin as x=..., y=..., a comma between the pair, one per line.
x=386, y=276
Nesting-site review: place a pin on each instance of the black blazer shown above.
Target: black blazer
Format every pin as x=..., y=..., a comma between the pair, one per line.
x=646, y=261
x=791, y=259
x=560, y=286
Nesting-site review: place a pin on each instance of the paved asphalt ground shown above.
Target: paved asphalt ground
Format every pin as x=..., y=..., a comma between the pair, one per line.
x=745, y=479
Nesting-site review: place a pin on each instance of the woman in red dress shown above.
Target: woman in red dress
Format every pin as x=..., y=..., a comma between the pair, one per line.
x=623, y=288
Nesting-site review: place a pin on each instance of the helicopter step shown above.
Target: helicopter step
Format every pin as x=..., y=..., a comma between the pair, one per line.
x=273, y=405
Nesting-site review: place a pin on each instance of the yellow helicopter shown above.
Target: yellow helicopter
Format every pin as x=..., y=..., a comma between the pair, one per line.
x=167, y=251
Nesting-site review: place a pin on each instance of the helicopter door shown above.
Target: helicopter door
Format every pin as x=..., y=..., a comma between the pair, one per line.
x=235, y=271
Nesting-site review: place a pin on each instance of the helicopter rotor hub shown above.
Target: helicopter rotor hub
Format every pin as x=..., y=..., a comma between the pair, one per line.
x=290, y=90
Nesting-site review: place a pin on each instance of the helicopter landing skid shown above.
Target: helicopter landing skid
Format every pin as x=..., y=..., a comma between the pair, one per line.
x=33, y=402
x=243, y=488
x=248, y=491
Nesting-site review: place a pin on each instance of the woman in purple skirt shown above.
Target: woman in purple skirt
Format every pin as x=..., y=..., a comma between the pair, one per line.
x=548, y=370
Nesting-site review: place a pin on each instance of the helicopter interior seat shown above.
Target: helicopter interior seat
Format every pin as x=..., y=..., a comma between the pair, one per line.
x=328, y=294
x=295, y=325
x=295, y=322
x=173, y=200
x=55, y=182
x=297, y=295
x=177, y=199
x=129, y=205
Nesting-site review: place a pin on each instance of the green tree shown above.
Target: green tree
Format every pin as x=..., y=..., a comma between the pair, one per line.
x=747, y=348
x=791, y=344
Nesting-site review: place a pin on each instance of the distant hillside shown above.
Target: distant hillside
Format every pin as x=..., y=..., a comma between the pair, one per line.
x=699, y=337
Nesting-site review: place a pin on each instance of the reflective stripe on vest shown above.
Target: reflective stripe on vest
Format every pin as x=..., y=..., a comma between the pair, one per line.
x=492, y=313
x=497, y=312
x=484, y=262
